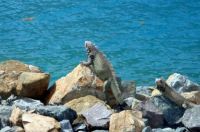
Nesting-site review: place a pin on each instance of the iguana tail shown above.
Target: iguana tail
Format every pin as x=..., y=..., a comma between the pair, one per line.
x=116, y=90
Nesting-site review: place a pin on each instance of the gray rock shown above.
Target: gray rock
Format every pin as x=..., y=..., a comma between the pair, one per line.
x=12, y=129
x=191, y=118
x=66, y=126
x=100, y=131
x=182, y=129
x=181, y=83
x=172, y=112
x=129, y=101
x=98, y=115
x=27, y=103
x=152, y=113
x=7, y=129
x=58, y=112
x=163, y=130
x=147, y=129
x=5, y=112
x=144, y=90
x=80, y=127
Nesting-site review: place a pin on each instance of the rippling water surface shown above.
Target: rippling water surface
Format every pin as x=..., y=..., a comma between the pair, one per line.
x=143, y=39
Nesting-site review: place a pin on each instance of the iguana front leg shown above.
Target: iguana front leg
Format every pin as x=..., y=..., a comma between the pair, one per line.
x=89, y=61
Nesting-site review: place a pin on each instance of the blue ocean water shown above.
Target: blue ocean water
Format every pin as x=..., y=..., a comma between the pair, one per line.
x=143, y=39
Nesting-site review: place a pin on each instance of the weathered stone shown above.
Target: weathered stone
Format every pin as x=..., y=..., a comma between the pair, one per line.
x=32, y=85
x=39, y=123
x=5, y=112
x=145, y=90
x=193, y=96
x=14, y=81
x=12, y=129
x=191, y=118
x=163, y=130
x=128, y=89
x=66, y=126
x=83, y=103
x=80, y=82
x=27, y=103
x=100, y=131
x=80, y=127
x=58, y=112
x=168, y=108
x=152, y=113
x=182, y=129
x=98, y=115
x=16, y=116
x=147, y=129
x=181, y=83
x=155, y=92
x=129, y=121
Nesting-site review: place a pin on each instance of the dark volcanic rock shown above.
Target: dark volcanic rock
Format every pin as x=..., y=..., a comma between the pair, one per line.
x=152, y=113
x=172, y=113
x=58, y=112
x=191, y=118
x=5, y=112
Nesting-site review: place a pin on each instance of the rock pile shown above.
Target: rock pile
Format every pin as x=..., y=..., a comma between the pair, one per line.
x=77, y=102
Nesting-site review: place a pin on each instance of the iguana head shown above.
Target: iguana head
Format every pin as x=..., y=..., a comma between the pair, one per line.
x=90, y=47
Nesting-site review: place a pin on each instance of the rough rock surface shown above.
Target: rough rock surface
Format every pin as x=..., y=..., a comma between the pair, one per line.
x=78, y=83
x=83, y=103
x=66, y=126
x=5, y=112
x=32, y=85
x=191, y=118
x=98, y=115
x=39, y=123
x=181, y=83
x=16, y=116
x=128, y=121
x=168, y=109
x=22, y=80
x=152, y=113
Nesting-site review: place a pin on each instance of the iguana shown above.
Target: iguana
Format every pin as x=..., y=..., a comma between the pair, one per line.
x=103, y=70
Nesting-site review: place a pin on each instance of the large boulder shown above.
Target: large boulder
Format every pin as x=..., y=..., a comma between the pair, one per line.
x=78, y=83
x=32, y=85
x=83, y=103
x=22, y=80
x=154, y=115
x=129, y=121
x=191, y=119
x=98, y=115
x=35, y=122
x=181, y=83
x=168, y=108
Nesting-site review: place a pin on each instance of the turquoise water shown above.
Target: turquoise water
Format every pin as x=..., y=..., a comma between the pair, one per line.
x=143, y=39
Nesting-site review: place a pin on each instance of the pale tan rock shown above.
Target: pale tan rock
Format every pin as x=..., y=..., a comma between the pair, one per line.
x=39, y=123
x=193, y=96
x=16, y=116
x=126, y=121
x=10, y=72
x=78, y=83
x=32, y=85
x=155, y=92
x=83, y=103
